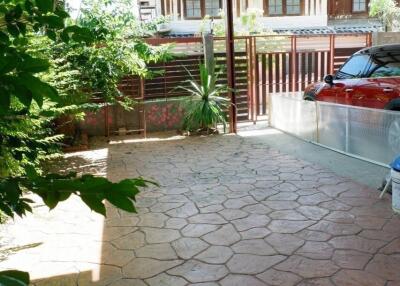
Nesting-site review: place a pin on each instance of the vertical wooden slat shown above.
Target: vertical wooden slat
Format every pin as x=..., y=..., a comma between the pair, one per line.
x=256, y=79
x=294, y=63
x=310, y=67
x=270, y=73
x=277, y=73
x=284, y=72
x=316, y=67
x=264, y=80
x=303, y=71
x=250, y=77
x=163, y=7
x=332, y=54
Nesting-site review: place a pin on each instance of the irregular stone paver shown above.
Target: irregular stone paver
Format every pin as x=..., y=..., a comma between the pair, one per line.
x=240, y=280
x=356, y=243
x=336, y=228
x=196, y=271
x=253, y=233
x=357, y=278
x=231, y=214
x=187, y=247
x=207, y=219
x=162, y=251
x=284, y=243
x=308, y=268
x=215, y=255
x=316, y=250
x=226, y=235
x=351, y=259
x=165, y=279
x=251, y=221
x=229, y=211
x=197, y=230
x=160, y=235
x=252, y=264
x=289, y=226
x=130, y=241
x=385, y=266
x=253, y=246
x=279, y=278
x=142, y=268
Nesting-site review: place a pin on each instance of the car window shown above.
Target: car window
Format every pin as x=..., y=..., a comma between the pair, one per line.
x=355, y=67
x=385, y=64
x=388, y=70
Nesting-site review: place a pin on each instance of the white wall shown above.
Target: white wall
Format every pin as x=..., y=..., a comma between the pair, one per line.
x=295, y=22
x=193, y=26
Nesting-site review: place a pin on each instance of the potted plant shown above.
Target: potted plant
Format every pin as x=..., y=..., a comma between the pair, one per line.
x=206, y=107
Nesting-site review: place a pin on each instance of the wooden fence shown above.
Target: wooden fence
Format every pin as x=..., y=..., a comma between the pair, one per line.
x=264, y=65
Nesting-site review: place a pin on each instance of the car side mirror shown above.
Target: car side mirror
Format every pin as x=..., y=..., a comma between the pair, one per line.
x=329, y=79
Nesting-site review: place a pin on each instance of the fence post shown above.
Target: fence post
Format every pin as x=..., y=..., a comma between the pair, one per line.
x=208, y=48
x=230, y=62
x=256, y=91
x=332, y=53
x=143, y=103
x=294, y=66
x=369, y=39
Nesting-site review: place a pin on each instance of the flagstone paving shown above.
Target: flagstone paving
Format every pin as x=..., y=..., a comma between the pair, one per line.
x=230, y=211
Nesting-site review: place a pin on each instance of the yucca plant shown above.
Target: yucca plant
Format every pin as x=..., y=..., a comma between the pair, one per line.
x=206, y=107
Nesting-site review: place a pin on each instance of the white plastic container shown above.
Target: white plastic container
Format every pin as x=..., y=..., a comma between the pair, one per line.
x=395, y=191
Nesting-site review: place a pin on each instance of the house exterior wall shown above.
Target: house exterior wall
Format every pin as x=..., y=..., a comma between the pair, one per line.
x=315, y=15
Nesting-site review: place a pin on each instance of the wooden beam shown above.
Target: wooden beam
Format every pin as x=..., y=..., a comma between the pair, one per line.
x=230, y=61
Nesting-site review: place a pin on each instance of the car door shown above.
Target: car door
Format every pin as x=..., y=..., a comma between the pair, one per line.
x=375, y=92
x=347, y=78
x=382, y=84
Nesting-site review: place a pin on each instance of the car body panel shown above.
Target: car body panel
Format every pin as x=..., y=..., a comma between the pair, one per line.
x=370, y=78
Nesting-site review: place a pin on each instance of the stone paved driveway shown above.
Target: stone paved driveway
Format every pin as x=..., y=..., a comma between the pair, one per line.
x=230, y=212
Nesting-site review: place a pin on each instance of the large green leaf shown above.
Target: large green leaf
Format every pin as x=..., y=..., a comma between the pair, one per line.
x=14, y=278
x=53, y=21
x=39, y=89
x=33, y=65
x=4, y=101
x=121, y=201
x=23, y=94
x=94, y=203
x=7, y=64
x=45, y=5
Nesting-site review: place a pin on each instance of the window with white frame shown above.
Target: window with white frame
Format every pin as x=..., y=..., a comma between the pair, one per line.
x=359, y=5
x=212, y=7
x=193, y=8
x=293, y=7
x=283, y=7
x=275, y=7
x=197, y=9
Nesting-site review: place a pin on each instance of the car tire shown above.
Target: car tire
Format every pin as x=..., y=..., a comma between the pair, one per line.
x=308, y=97
x=394, y=105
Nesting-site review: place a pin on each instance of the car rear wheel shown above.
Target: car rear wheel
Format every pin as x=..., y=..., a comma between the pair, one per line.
x=309, y=97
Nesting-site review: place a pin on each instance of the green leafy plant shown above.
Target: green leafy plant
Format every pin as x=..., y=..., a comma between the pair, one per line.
x=388, y=12
x=33, y=93
x=14, y=278
x=206, y=107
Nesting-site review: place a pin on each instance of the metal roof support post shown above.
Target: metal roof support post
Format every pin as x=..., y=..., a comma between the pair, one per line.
x=230, y=61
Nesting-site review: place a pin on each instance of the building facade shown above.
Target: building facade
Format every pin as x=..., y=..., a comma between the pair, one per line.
x=288, y=15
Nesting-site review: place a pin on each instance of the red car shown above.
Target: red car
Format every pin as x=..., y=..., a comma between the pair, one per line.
x=370, y=78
